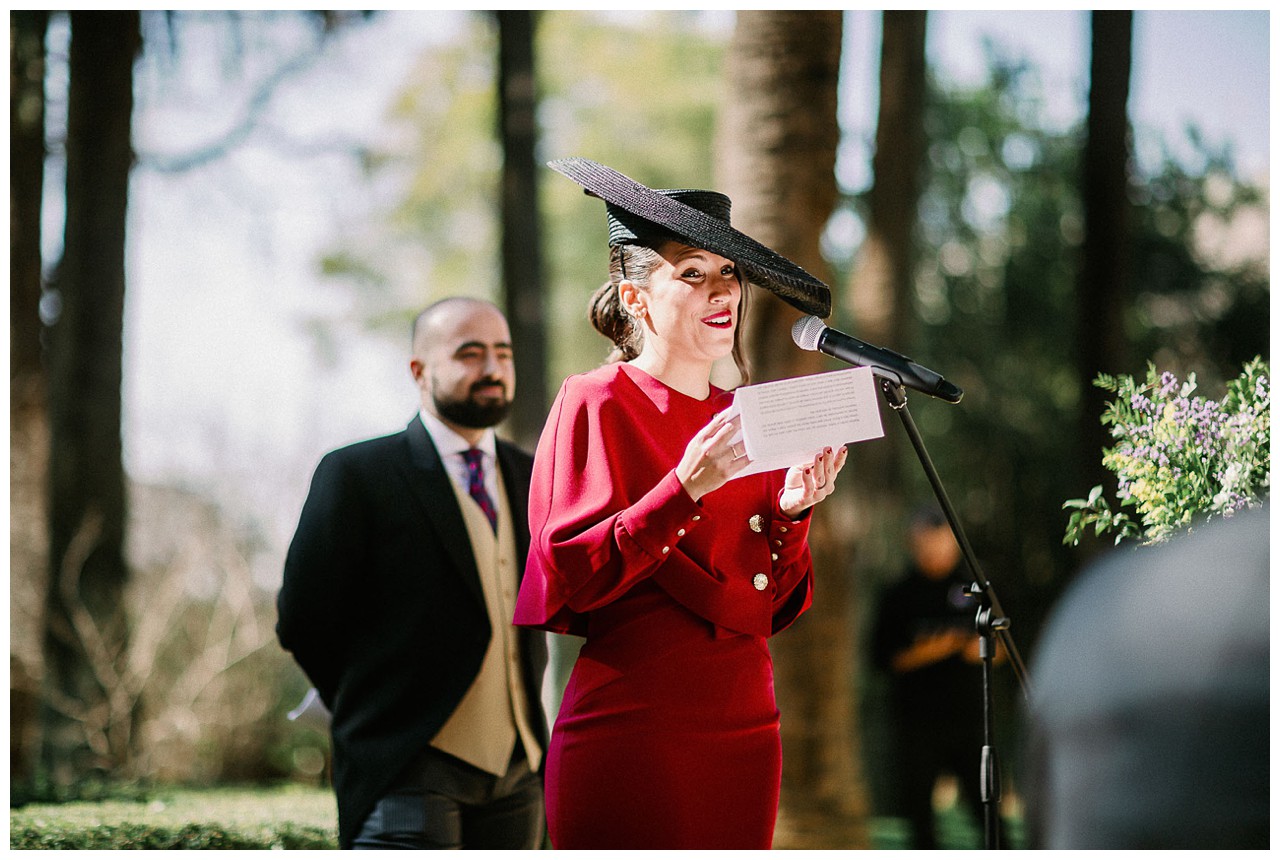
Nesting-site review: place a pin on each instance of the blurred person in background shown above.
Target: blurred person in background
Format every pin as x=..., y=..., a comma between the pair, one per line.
x=925, y=641
x=399, y=587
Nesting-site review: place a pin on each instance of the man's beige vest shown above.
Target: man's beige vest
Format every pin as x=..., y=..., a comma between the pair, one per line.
x=483, y=730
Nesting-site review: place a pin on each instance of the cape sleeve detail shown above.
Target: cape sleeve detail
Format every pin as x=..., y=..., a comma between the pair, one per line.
x=588, y=546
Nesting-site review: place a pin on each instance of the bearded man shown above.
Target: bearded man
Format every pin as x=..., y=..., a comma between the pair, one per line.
x=398, y=593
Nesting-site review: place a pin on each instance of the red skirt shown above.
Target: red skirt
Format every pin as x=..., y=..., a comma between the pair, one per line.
x=667, y=736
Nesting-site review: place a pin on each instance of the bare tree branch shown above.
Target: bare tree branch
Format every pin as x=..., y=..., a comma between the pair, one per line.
x=241, y=131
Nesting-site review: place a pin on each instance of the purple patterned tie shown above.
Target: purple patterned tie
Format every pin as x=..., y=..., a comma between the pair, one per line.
x=475, y=485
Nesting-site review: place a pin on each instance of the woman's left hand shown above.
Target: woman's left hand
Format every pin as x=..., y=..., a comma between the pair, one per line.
x=807, y=485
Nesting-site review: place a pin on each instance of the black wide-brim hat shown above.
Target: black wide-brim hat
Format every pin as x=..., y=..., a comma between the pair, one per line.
x=636, y=211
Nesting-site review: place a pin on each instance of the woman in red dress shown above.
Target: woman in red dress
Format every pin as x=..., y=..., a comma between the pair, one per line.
x=645, y=542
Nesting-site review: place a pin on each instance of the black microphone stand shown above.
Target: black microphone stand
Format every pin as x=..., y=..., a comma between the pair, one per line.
x=991, y=620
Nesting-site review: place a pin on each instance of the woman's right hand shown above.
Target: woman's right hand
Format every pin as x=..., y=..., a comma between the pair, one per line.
x=712, y=459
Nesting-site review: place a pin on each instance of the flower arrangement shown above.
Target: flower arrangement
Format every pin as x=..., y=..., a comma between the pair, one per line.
x=1178, y=456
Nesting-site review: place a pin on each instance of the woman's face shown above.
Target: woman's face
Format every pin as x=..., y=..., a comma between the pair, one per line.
x=691, y=305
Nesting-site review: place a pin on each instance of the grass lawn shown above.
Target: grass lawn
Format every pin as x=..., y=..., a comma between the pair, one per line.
x=298, y=817
x=286, y=817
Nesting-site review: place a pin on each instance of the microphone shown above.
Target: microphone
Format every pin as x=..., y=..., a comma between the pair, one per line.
x=811, y=333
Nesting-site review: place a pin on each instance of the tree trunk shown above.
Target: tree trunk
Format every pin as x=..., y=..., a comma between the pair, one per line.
x=522, y=275
x=881, y=284
x=26, y=185
x=779, y=138
x=85, y=732
x=28, y=417
x=1104, y=185
x=881, y=303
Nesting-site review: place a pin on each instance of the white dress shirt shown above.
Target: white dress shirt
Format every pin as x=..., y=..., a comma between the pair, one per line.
x=451, y=447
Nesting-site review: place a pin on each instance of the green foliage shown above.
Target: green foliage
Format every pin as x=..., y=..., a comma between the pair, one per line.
x=1197, y=302
x=91, y=788
x=640, y=94
x=994, y=308
x=992, y=300
x=282, y=818
x=431, y=229
x=637, y=91
x=1177, y=456
x=53, y=835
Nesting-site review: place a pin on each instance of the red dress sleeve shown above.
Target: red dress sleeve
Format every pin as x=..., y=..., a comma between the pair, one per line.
x=606, y=512
x=589, y=541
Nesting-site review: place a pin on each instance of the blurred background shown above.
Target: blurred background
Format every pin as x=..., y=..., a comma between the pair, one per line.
x=222, y=224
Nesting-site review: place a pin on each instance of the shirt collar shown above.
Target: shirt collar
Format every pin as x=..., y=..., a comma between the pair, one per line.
x=447, y=441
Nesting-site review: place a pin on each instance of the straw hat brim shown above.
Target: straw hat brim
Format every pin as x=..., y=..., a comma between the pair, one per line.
x=761, y=265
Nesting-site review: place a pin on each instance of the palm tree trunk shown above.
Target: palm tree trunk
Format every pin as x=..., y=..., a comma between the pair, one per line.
x=778, y=148
x=881, y=304
x=880, y=288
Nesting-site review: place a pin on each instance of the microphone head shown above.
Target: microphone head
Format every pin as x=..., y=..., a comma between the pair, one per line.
x=807, y=331
x=948, y=391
